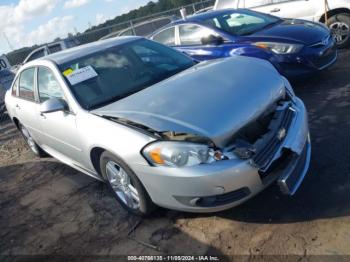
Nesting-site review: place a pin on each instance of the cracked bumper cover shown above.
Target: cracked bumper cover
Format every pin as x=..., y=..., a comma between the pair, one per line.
x=225, y=184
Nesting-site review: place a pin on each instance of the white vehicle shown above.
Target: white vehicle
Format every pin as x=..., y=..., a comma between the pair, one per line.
x=337, y=14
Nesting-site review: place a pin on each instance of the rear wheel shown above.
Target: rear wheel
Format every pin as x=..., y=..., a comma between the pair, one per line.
x=340, y=27
x=36, y=150
x=125, y=186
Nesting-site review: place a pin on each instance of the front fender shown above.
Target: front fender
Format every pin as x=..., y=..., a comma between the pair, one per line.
x=256, y=52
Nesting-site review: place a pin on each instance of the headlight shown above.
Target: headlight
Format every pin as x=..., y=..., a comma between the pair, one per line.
x=280, y=48
x=179, y=154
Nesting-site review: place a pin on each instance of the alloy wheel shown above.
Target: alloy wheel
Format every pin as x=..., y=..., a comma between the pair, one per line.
x=340, y=31
x=122, y=185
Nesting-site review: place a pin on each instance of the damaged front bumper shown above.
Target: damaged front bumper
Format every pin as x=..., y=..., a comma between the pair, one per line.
x=225, y=184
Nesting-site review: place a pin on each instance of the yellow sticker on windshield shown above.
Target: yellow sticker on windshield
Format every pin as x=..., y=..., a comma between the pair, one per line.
x=68, y=72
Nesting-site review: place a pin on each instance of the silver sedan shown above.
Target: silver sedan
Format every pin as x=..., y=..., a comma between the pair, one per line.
x=161, y=129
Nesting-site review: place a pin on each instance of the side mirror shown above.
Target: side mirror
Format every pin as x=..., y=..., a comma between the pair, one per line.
x=212, y=40
x=53, y=105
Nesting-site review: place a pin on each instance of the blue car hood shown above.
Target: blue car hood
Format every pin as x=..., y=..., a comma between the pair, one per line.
x=213, y=99
x=295, y=30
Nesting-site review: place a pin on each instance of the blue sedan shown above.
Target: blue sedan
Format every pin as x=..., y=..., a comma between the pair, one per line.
x=294, y=47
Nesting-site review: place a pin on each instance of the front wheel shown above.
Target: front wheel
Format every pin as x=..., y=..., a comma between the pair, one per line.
x=125, y=186
x=340, y=27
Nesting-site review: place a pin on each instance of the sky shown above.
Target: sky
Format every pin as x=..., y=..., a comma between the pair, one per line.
x=28, y=22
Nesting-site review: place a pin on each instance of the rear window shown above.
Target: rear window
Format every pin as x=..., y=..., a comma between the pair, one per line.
x=55, y=48
x=36, y=55
x=26, y=84
x=15, y=87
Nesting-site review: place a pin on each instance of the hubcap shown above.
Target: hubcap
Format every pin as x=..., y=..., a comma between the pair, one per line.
x=122, y=185
x=29, y=140
x=340, y=31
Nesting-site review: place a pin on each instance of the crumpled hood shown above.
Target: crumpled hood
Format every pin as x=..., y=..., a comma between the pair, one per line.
x=213, y=99
x=295, y=30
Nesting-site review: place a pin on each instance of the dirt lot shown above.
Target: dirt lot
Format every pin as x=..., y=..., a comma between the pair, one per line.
x=49, y=208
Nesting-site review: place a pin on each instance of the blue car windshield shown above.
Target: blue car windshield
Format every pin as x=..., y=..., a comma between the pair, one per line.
x=241, y=23
x=115, y=73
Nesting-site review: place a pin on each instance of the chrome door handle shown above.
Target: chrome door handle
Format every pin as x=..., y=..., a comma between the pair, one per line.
x=275, y=10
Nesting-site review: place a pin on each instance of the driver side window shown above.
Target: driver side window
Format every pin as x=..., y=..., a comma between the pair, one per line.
x=166, y=37
x=48, y=86
x=192, y=34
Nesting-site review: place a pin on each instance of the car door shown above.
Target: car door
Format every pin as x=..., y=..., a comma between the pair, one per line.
x=26, y=103
x=166, y=36
x=301, y=9
x=61, y=137
x=190, y=42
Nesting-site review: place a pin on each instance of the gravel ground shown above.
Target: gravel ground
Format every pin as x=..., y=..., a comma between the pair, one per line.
x=49, y=208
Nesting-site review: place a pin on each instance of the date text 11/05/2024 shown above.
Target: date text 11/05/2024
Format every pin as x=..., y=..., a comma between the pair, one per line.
x=173, y=258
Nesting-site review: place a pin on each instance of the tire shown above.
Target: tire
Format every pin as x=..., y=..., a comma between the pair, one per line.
x=340, y=27
x=125, y=186
x=33, y=146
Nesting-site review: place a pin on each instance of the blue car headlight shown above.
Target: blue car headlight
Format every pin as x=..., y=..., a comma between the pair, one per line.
x=280, y=48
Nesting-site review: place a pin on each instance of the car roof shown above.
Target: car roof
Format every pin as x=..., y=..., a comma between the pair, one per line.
x=73, y=53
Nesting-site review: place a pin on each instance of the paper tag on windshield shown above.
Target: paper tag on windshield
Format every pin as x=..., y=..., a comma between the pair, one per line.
x=81, y=75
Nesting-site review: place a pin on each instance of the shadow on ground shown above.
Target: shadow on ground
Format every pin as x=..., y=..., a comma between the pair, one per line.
x=49, y=208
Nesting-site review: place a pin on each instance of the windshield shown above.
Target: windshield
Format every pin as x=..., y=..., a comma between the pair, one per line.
x=115, y=73
x=241, y=23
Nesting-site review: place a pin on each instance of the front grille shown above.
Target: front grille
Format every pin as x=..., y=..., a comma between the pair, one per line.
x=269, y=144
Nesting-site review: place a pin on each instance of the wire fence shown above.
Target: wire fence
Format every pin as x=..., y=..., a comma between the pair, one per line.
x=95, y=34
